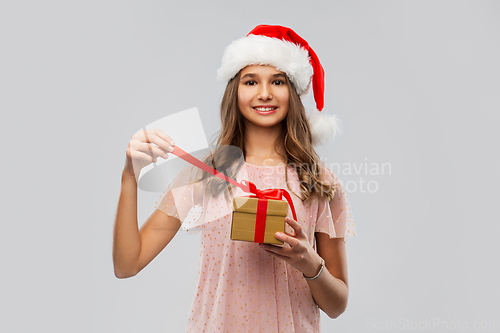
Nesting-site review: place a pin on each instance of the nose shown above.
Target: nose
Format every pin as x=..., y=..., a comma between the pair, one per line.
x=265, y=92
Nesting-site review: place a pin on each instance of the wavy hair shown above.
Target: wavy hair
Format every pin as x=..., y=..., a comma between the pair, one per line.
x=295, y=134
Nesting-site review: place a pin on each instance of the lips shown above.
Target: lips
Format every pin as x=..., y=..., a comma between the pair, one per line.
x=265, y=109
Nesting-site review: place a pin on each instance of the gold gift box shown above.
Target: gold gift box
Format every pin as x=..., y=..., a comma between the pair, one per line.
x=244, y=215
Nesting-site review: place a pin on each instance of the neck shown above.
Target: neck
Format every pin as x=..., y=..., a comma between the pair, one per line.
x=260, y=144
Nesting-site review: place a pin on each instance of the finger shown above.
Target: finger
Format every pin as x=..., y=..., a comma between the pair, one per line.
x=160, y=142
x=278, y=250
x=295, y=226
x=290, y=240
x=147, y=147
x=150, y=149
x=138, y=156
x=164, y=136
x=157, y=137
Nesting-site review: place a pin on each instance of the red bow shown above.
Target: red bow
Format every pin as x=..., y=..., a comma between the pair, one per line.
x=263, y=196
x=271, y=193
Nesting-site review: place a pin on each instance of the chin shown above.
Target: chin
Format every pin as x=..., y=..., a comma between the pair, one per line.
x=269, y=121
x=266, y=124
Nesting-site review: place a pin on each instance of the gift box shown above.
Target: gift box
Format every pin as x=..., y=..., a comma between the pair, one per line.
x=258, y=219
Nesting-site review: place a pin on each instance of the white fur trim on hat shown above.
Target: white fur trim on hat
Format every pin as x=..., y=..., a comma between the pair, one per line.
x=324, y=128
x=286, y=56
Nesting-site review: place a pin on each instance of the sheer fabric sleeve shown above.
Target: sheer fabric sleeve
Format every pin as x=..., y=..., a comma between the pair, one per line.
x=186, y=200
x=335, y=216
x=183, y=198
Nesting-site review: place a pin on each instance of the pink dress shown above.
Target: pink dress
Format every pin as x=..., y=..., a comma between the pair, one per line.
x=241, y=287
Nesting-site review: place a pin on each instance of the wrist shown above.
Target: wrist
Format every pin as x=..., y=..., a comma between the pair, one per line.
x=128, y=175
x=318, y=269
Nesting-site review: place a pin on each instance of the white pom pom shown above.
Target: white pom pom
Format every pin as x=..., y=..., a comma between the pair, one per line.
x=324, y=128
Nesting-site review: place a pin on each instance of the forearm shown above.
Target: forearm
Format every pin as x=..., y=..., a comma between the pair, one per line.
x=126, y=238
x=330, y=293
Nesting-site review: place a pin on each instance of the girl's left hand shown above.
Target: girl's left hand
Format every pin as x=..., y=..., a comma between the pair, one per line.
x=300, y=254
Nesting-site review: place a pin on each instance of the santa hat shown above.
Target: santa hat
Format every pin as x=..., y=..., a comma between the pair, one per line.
x=282, y=48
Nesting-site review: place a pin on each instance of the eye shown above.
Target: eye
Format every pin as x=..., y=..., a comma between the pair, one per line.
x=250, y=83
x=279, y=82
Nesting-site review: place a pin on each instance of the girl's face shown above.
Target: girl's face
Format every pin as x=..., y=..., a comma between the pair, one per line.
x=263, y=95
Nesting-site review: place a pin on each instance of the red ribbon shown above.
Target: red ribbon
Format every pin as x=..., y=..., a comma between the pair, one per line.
x=261, y=195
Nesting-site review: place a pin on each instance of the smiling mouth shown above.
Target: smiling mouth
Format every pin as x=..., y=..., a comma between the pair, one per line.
x=266, y=109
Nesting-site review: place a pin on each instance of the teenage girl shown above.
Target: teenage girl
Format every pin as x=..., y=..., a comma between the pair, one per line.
x=247, y=286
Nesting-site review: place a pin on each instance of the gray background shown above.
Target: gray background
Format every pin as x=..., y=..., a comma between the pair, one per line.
x=415, y=82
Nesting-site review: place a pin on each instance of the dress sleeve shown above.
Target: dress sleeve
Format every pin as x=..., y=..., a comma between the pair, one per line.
x=185, y=199
x=335, y=216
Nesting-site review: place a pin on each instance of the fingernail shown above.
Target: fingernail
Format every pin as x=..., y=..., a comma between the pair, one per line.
x=279, y=235
x=165, y=156
x=171, y=149
x=172, y=142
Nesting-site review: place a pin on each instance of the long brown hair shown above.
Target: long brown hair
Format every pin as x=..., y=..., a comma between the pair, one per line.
x=295, y=133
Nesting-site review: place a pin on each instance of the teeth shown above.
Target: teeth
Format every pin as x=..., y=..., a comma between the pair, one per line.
x=264, y=109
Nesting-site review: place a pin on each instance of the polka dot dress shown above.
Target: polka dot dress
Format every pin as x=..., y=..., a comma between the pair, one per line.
x=241, y=287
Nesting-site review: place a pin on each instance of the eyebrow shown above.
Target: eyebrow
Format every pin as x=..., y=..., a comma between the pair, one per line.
x=252, y=75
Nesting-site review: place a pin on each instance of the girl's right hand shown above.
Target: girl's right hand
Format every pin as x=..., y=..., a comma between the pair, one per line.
x=145, y=147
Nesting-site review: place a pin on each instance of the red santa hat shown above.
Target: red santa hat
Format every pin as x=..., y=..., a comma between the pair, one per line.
x=282, y=48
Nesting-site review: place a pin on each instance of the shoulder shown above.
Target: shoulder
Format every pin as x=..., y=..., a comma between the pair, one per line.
x=327, y=175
